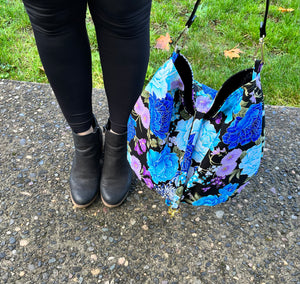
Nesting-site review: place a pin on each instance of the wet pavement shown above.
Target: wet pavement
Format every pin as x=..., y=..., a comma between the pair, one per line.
x=254, y=238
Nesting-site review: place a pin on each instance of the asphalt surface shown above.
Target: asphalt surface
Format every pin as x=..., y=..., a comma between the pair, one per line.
x=254, y=238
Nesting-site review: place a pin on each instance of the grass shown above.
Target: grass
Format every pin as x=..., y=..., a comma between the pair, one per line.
x=219, y=26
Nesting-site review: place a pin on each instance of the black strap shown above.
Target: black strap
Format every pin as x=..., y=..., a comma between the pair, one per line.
x=193, y=15
x=263, y=24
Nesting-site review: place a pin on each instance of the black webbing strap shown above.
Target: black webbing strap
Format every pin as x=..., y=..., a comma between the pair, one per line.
x=263, y=24
x=193, y=15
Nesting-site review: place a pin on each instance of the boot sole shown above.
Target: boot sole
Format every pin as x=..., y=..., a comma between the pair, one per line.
x=82, y=205
x=114, y=205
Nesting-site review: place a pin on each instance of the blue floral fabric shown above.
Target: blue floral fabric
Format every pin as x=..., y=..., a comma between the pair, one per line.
x=162, y=165
x=160, y=115
x=193, y=157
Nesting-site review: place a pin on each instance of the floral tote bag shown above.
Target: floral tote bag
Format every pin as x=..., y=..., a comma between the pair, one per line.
x=191, y=143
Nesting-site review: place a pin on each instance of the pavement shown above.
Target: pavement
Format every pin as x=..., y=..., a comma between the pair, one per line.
x=254, y=238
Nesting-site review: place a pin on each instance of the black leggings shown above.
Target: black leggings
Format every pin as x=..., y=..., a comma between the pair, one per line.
x=122, y=28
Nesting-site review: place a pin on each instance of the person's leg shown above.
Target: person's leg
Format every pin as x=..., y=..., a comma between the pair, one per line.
x=62, y=41
x=63, y=45
x=122, y=28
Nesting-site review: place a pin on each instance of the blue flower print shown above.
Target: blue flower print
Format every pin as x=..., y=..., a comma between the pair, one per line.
x=244, y=130
x=162, y=166
x=207, y=140
x=229, y=189
x=160, y=84
x=209, y=91
x=232, y=104
x=131, y=128
x=175, y=113
x=183, y=128
x=187, y=158
x=160, y=115
x=250, y=163
x=212, y=200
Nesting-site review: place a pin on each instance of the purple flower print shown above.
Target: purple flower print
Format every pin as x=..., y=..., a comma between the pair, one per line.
x=218, y=151
x=242, y=187
x=145, y=117
x=203, y=104
x=178, y=84
x=204, y=189
x=231, y=157
x=139, y=106
x=257, y=80
x=148, y=182
x=252, y=99
x=143, y=144
x=228, y=163
x=217, y=181
x=136, y=166
x=225, y=170
x=146, y=172
x=137, y=149
x=218, y=118
x=140, y=146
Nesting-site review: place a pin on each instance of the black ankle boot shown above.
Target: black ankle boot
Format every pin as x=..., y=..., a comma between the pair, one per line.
x=86, y=169
x=116, y=173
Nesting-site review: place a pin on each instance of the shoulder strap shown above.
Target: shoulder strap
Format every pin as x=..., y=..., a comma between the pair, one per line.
x=187, y=25
x=193, y=15
x=264, y=23
x=262, y=29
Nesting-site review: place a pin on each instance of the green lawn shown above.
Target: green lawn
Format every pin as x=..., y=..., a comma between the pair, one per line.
x=220, y=25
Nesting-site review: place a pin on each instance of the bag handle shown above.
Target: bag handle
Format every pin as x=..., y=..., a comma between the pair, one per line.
x=264, y=23
x=189, y=22
x=239, y=78
x=258, y=63
x=193, y=15
x=262, y=31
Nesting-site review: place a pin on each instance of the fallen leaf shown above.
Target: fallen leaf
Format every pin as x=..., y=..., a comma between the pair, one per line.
x=283, y=10
x=163, y=42
x=42, y=69
x=233, y=53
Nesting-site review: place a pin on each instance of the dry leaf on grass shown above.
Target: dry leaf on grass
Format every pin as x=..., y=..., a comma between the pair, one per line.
x=233, y=53
x=283, y=10
x=163, y=42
